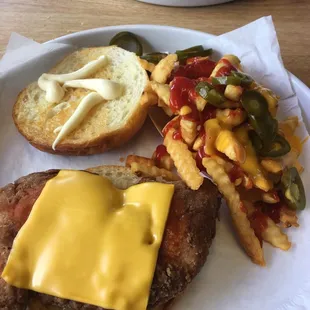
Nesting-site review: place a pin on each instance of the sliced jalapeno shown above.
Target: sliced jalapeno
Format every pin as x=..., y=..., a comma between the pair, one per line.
x=278, y=147
x=293, y=189
x=193, y=52
x=256, y=140
x=207, y=92
x=128, y=41
x=254, y=103
x=225, y=80
x=154, y=58
x=196, y=48
x=245, y=80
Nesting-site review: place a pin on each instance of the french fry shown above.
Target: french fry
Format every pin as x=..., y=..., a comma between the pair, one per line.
x=148, y=66
x=242, y=225
x=251, y=165
x=165, y=161
x=165, y=107
x=270, y=197
x=212, y=129
x=288, y=217
x=198, y=143
x=164, y=68
x=271, y=233
x=233, y=92
x=234, y=60
x=271, y=165
x=148, y=99
x=230, y=117
x=162, y=91
x=227, y=144
x=271, y=98
x=200, y=103
x=183, y=161
x=153, y=171
x=188, y=131
x=140, y=160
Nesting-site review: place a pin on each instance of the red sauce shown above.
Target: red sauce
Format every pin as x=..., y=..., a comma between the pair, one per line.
x=196, y=69
x=259, y=223
x=242, y=207
x=174, y=123
x=208, y=113
x=183, y=93
x=226, y=69
x=160, y=152
x=201, y=153
x=273, y=211
x=235, y=173
x=177, y=135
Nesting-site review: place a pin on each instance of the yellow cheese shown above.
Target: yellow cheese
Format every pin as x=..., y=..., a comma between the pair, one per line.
x=251, y=165
x=88, y=241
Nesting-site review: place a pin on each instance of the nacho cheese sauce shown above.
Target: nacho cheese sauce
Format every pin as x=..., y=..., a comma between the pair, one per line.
x=87, y=241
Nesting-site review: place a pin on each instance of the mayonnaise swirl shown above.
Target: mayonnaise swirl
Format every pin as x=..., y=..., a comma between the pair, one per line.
x=50, y=83
x=87, y=103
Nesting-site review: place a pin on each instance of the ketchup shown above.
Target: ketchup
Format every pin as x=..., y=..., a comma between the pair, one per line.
x=177, y=135
x=173, y=124
x=201, y=152
x=235, y=173
x=183, y=93
x=160, y=152
x=258, y=221
x=195, y=69
x=208, y=112
x=273, y=211
x=226, y=69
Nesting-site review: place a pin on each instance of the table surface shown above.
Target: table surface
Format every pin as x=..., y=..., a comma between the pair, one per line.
x=43, y=20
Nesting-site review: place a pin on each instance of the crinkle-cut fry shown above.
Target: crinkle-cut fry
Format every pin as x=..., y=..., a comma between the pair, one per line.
x=233, y=92
x=270, y=197
x=148, y=99
x=227, y=143
x=165, y=161
x=140, y=160
x=272, y=165
x=251, y=165
x=272, y=233
x=271, y=98
x=198, y=143
x=242, y=225
x=212, y=129
x=183, y=161
x=166, y=108
x=234, y=60
x=148, y=66
x=188, y=131
x=164, y=68
x=231, y=117
x=153, y=171
x=200, y=103
x=288, y=217
x=162, y=91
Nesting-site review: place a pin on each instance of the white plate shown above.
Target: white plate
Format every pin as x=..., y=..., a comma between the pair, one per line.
x=219, y=286
x=185, y=3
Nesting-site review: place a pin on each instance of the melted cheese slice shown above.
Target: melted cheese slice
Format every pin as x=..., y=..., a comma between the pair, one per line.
x=87, y=241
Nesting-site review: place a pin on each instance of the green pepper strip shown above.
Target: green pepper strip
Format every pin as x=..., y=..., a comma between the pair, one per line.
x=293, y=189
x=207, y=92
x=154, y=58
x=183, y=55
x=128, y=41
x=196, y=48
x=245, y=80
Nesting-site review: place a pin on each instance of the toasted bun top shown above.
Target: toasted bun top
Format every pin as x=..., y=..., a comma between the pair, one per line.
x=107, y=124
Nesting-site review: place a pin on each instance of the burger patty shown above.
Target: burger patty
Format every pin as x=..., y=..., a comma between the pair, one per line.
x=188, y=235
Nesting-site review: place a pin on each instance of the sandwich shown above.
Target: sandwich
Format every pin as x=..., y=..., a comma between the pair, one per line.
x=187, y=237
x=94, y=100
